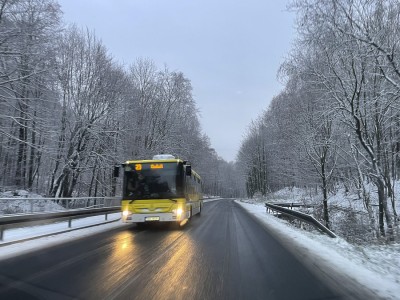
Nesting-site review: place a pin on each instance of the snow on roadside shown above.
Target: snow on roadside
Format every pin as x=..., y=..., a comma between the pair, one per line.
x=21, y=201
x=13, y=234
x=41, y=243
x=211, y=199
x=375, y=267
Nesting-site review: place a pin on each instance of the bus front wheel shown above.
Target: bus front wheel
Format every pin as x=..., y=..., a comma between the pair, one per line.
x=200, y=208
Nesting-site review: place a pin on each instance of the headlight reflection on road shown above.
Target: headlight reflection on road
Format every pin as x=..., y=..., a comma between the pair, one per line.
x=123, y=257
x=130, y=254
x=164, y=263
x=180, y=266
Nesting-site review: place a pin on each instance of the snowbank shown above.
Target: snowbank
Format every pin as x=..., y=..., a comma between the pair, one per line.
x=19, y=201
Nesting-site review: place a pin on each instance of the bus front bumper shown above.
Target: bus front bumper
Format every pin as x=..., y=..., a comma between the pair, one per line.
x=150, y=217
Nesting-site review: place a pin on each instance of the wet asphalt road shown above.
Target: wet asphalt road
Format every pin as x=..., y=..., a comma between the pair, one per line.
x=223, y=254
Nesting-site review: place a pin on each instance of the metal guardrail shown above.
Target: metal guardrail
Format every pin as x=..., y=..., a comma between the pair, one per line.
x=23, y=218
x=295, y=204
x=90, y=208
x=300, y=216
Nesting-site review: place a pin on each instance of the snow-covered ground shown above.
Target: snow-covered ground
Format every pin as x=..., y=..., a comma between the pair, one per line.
x=41, y=243
x=375, y=267
x=22, y=202
x=20, y=233
x=211, y=199
x=347, y=212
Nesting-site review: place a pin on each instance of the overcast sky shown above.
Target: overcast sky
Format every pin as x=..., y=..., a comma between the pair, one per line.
x=229, y=49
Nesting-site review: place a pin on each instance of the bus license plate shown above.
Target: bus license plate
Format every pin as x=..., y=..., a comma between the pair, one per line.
x=152, y=219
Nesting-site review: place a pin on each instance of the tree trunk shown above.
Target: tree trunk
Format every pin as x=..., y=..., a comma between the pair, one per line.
x=325, y=194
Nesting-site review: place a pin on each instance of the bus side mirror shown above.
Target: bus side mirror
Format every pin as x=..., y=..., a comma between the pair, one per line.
x=116, y=171
x=188, y=170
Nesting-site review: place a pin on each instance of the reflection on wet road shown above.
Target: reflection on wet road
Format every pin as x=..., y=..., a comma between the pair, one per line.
x=224, y=254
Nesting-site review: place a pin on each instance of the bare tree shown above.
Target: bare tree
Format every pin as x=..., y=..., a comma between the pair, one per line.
x=89, y=84
x=27, y=31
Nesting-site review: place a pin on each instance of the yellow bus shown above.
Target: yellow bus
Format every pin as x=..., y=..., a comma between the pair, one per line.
x=163, y=189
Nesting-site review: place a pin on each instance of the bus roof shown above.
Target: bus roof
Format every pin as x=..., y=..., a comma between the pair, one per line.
x=149, y=161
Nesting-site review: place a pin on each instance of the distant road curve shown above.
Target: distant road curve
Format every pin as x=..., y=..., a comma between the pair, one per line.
x=223, y=254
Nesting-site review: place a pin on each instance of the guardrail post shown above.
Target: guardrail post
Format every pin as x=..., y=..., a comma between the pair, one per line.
x=106, y=217
x=69, y=222
x=1, y=232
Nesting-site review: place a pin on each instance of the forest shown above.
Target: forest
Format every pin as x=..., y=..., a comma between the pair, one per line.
x=69, y=112
x=335, y=127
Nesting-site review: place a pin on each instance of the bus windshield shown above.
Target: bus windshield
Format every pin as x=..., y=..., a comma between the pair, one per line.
x=152, y=181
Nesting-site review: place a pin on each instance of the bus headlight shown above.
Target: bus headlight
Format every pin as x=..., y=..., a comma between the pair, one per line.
x=126, y=213
x=178, y=212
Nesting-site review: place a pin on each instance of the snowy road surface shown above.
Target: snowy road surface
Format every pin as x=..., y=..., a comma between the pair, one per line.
x=224, y=254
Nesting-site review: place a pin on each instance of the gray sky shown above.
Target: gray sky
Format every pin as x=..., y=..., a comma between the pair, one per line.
x=229, y=49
